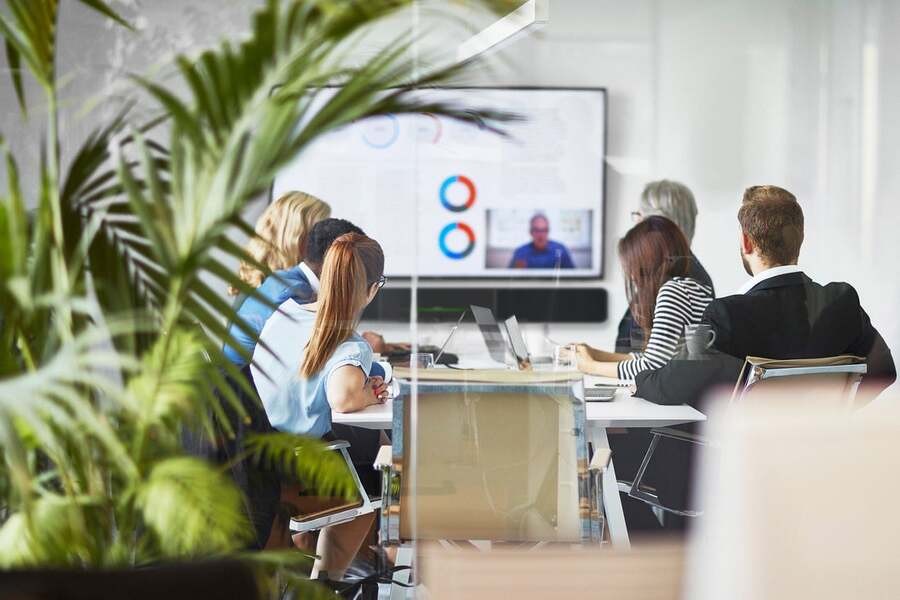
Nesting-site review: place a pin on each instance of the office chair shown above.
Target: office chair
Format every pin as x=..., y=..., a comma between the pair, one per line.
x=317, y=512
x=495, y=462
x=834, y=380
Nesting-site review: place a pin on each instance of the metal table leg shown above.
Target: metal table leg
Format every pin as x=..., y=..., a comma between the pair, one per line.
x=404, y=559
x=612, y=502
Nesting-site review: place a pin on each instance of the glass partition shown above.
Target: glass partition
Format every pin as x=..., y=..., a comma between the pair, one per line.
x=494, y=462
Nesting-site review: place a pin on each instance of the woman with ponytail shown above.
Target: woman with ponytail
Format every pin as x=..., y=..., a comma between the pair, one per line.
x=310, y=361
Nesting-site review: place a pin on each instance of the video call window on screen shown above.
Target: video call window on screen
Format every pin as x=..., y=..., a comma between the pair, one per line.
x=448, y=199
x=539, y=239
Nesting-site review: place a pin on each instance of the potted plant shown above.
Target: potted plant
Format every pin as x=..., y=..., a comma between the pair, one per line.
x=111, y=268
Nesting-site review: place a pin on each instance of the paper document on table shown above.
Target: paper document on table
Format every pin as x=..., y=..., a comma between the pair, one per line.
x=597, y=380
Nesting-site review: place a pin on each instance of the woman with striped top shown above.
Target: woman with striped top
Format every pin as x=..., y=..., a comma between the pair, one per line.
x=655, y=259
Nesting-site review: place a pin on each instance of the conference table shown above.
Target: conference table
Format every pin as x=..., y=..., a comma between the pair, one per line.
x=625, y=410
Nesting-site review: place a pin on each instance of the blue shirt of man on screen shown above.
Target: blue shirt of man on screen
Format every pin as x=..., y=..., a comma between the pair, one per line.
x=542, y=252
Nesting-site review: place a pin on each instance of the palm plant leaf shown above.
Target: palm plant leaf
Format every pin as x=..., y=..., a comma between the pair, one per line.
x=233, y=133
x=29, y=31
x=91, y=412
x=55, y=396
x=93, y=190
x=164, y=388
x=104, y=9
x=57, y=532
x=30, y=35
x=192, y=509
x=16, y=546
x=14, y=246
x=14, y=61
x=305, y=459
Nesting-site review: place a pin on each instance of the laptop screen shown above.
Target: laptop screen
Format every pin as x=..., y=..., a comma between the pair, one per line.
x=516, y=339
x=490, y=331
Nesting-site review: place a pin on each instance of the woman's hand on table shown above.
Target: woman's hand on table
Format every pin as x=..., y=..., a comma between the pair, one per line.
x=584, y=362
x=596, y=362
x=597, y=355
x=589, y=352
x=584, y=351
x=379, y=390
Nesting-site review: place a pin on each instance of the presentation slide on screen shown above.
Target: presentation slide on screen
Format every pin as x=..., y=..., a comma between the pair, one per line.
x=447, y=199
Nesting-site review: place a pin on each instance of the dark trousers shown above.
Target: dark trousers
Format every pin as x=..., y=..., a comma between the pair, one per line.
x=364, y=445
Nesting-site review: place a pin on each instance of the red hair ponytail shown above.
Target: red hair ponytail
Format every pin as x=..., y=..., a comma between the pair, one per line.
x=352, y=264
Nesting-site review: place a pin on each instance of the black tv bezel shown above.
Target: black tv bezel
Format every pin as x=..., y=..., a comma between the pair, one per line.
x=483, y=279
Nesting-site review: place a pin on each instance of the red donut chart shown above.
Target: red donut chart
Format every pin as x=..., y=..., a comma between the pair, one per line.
x=462, y=180
x=456, y=254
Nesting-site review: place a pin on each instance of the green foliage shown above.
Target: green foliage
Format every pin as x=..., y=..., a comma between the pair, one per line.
x=305, y=459
x=215, y=524
x=29, y=33
x=111, y=317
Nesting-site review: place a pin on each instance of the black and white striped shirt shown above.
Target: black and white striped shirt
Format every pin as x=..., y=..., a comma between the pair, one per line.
x=679, y=303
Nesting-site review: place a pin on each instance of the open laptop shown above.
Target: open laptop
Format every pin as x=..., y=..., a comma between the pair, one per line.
x=491, y=332
x=519, y=347
x=440, y=353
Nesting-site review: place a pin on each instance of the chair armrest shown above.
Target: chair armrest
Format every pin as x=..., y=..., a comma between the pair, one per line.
x=600, y=460
x=384, y=459
x=337, y=445
x=677, y=434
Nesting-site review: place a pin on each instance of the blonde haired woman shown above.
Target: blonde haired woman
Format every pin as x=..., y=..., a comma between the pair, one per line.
x=314, y=362
x=280, y=244
x=281, y=230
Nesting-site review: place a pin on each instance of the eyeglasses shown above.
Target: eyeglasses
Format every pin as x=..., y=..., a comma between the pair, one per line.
x=637, y=216
x=381, y=281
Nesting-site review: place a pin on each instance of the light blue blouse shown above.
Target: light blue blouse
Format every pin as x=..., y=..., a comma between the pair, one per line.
x=277, y=287
x=293, y=403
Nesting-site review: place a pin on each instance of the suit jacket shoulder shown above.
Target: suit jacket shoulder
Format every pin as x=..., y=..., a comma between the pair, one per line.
x=789, y=316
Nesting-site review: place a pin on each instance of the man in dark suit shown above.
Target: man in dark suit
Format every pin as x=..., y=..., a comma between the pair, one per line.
x=779, y=313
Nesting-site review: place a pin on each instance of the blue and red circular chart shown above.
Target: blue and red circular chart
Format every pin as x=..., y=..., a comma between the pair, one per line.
x=458, y=180
x=458, y=251
x=381, y=132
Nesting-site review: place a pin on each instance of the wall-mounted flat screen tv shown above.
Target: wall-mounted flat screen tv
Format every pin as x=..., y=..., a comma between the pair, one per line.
x=451, y=200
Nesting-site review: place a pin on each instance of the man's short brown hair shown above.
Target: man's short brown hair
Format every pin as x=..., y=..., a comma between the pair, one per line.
x=773, y=220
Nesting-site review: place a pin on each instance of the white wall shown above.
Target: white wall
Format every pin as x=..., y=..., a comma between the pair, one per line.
x=722, y=94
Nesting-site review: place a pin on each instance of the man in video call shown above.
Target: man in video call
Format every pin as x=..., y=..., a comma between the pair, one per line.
x=541, y=252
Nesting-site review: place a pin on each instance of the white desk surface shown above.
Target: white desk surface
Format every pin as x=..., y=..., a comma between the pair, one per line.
x=624, y=411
